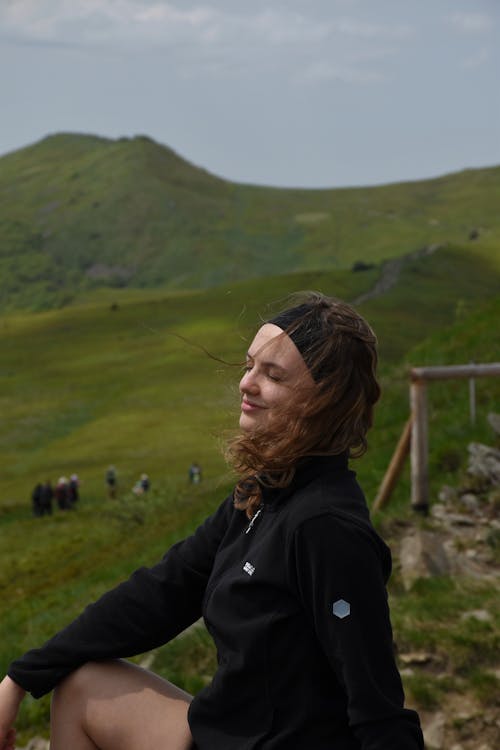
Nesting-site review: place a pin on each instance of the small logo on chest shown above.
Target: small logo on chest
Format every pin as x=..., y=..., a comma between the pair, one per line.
x=249, y=568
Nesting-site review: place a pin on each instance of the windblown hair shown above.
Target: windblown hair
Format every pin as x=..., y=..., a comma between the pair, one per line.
x=330, y=417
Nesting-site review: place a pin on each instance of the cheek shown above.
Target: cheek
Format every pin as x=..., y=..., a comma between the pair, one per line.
x=277, y=395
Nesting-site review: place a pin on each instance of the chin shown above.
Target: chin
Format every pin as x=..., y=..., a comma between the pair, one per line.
x=248, y=423
x=244, y=423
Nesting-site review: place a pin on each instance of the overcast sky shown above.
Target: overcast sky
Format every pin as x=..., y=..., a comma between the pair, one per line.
x=312, y=93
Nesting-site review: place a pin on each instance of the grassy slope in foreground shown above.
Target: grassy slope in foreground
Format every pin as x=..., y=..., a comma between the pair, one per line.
x=71, y=559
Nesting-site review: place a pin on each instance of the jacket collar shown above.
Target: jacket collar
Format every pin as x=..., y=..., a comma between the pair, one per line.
x=308, y=469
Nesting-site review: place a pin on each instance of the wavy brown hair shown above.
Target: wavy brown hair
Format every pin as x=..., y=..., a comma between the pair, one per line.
x=328, y=418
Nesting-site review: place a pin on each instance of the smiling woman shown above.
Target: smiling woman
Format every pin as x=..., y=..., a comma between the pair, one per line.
x=274, y=369
x=288, y=574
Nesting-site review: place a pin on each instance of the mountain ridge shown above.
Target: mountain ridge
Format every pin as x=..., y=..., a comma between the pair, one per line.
x=80, y=211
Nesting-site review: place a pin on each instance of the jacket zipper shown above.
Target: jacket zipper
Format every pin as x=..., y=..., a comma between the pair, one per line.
x=209, y=590
x=253, y=519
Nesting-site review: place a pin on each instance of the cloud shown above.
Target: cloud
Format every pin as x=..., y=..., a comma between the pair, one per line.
x=287, y=27
x=102, y=21
x=220, y=39
x=99, y=21
x=476, y=60
x=354, y=27
x=324, y=70
x=471, y=23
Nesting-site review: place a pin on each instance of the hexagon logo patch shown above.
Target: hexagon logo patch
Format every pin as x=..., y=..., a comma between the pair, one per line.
x=341, y=608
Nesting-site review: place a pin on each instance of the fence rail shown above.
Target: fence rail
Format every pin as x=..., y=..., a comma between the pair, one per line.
x=415, y=436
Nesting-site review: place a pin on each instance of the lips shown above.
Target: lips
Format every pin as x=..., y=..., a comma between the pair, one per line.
x=249, y=406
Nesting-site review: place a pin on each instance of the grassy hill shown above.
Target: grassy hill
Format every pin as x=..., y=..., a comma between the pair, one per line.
x=114, y=380
x=119, y=374
x=111, y=381
x=79, y=212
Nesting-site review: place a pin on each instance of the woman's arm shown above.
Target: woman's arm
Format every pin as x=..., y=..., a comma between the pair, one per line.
x=340, y=580
x=144, y=612
x=11, y=696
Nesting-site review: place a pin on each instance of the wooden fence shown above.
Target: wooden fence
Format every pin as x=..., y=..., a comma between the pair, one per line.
x=415, y=437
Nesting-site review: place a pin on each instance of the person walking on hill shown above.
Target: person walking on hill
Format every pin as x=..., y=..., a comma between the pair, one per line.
x=288, y=573
x=36, y=499
x=195, y=473
x=73, y=489
x=62, y=493
x=46, y=497
x=111, y=481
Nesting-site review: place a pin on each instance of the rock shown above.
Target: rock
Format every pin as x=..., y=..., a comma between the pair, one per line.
x=494, y=422
x=484, y=462
x=422, y=555
x=147, y=660
x=447, y=494
x=438, y=510
x=434, y=732
x=407, y=672
x=416, y=657
x=460, y=519
x=476, y=614
x=470, y=501
x=37, y=743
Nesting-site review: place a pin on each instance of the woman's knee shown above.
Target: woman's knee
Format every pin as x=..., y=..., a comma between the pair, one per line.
x=77, y=685
x=119, y=705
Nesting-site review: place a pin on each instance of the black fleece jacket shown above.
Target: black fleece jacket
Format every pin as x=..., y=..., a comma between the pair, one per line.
x=296, y=603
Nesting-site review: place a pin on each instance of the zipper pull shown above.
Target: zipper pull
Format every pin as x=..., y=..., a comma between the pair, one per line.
x=252, y=520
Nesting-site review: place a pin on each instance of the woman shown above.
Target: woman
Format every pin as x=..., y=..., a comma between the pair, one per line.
x=288, y=574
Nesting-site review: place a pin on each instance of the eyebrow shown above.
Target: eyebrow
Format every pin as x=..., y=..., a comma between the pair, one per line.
x=268, y=363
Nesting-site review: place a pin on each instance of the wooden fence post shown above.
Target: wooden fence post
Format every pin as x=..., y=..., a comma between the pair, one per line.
x=419, y=447
x=394, y=470
x=417, y=427
x=472, y=398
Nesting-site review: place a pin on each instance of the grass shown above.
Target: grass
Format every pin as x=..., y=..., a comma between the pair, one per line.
x=429, y=618
x=108, y=380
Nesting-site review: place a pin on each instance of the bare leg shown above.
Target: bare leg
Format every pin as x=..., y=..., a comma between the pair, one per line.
x=116, y=705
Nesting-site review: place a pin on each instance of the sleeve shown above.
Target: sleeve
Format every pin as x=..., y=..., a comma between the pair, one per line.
x=149, y=609
x=339, y=578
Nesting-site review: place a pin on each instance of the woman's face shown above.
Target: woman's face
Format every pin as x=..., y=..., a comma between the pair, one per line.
x=274, y=376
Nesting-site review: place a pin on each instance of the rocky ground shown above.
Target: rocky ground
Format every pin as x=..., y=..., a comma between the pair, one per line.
x=460, y=538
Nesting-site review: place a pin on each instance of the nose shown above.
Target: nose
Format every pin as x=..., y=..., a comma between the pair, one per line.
x=248, y=383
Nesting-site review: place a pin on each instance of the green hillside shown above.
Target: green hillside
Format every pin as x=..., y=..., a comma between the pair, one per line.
x=122, y=377
x=142, y=279
x=79, y=212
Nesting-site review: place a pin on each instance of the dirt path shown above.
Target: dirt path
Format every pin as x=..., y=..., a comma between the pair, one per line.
x=391, y=271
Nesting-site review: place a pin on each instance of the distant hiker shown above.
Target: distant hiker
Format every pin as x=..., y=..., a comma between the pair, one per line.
x=62, y=494
x=73, y=487
x=142, y=485
x=36, y=498
x=137, y=488
x=195, y=473
x=46, y=497
x=111, y=481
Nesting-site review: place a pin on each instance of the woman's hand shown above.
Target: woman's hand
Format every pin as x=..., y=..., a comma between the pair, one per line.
x=11, y=696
